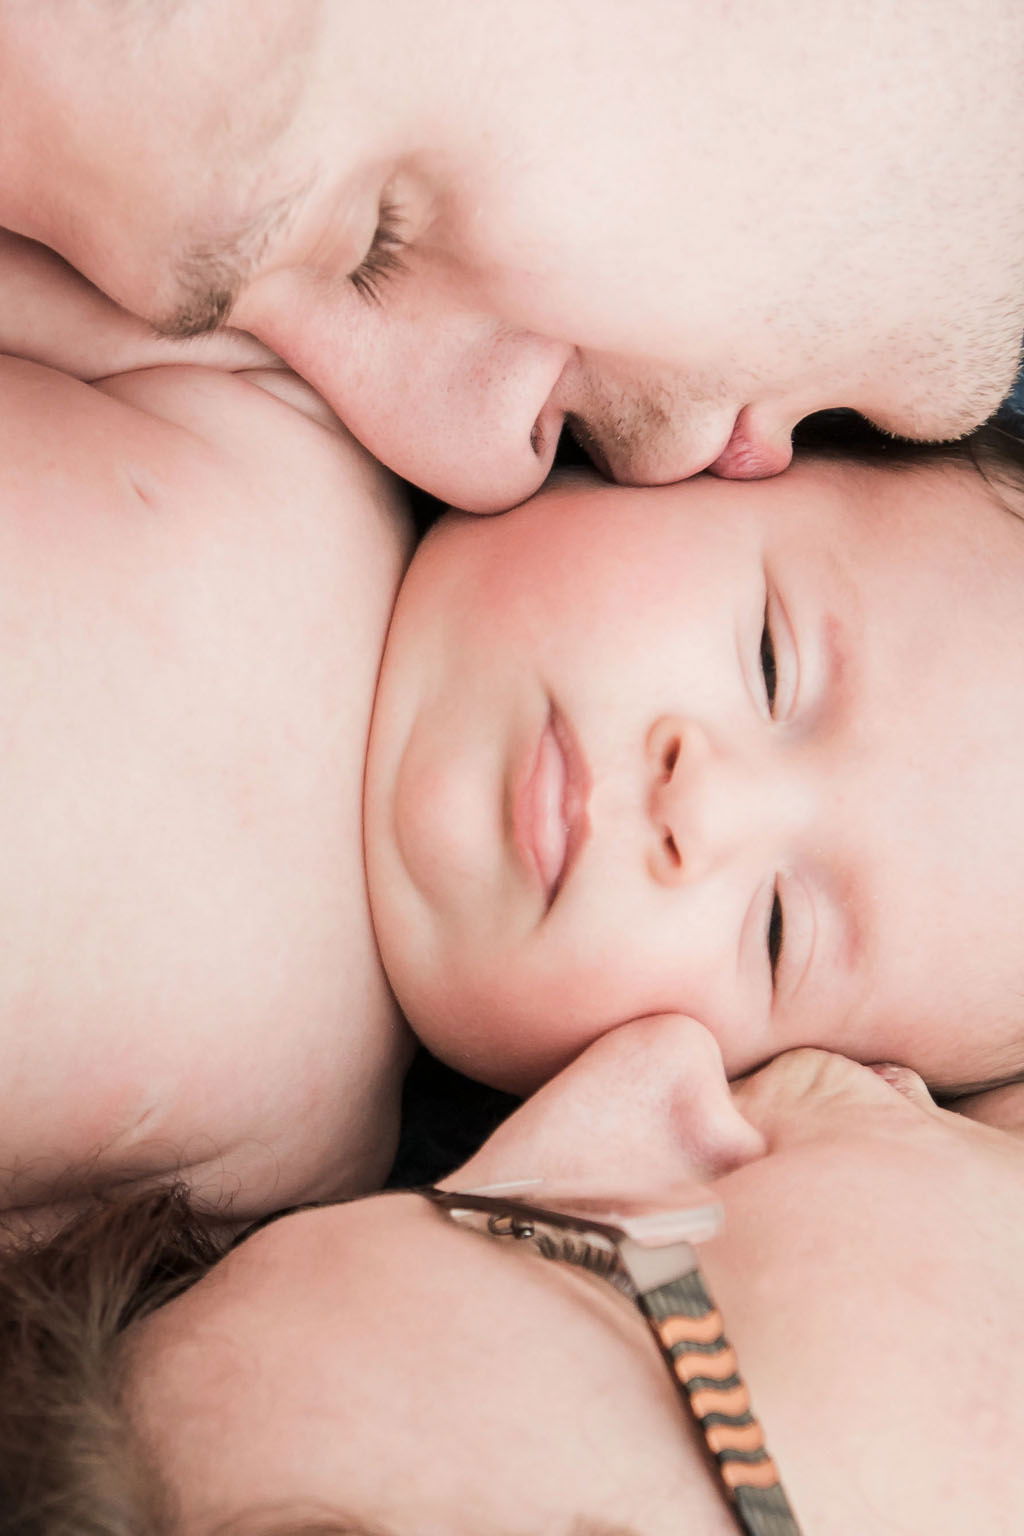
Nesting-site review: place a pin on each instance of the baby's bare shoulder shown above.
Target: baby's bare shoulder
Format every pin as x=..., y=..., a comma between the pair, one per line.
x=260, y=432
x=266, y=417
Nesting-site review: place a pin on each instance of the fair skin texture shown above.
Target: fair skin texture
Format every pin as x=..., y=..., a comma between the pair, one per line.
x=375, y=1360
x=799, y=218
x=587, y=802
x=198, y=574
x=52, y=315
x=184, y=842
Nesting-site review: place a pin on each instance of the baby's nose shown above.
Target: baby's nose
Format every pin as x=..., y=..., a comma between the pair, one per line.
x=714, y=796
x=678, y=753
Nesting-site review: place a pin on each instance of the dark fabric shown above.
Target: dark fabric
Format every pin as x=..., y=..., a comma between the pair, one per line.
x=1011, y=412
x=445, y=1118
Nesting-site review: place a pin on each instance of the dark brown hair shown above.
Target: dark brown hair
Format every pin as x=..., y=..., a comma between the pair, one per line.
x=993, y=450
x=68, y=1462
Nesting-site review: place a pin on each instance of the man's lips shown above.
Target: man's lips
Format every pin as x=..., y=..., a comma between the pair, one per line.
x=748, y=455
x=549, y=815
x=744, y=451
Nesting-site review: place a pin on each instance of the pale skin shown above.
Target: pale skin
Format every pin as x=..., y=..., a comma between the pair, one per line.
x=372, y=1359
x=200, y=571
x=587, y=801
x=820, y=205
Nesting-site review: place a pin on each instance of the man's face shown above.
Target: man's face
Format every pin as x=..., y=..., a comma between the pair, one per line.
x=746, y=752
x=373, y=1359
x=673, y=231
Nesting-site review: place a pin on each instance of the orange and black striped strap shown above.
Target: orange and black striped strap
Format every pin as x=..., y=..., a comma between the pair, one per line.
x=688, y=1328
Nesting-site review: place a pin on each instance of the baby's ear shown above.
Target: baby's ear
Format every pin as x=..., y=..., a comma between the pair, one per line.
x=1001, y=1107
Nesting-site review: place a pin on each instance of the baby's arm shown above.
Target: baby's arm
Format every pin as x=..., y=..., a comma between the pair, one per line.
x=50, y=314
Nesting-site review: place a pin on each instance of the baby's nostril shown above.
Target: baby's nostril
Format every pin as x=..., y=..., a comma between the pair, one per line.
x=675, y=857
x=670, y=757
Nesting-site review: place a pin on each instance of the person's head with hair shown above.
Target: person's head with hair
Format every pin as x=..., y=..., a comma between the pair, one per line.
x=673, y=227
x=376, y=1367
x=749, y=753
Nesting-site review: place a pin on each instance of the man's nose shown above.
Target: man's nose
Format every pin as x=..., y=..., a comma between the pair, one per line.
x=708, y=800
x=448, y=398
x=465, y=415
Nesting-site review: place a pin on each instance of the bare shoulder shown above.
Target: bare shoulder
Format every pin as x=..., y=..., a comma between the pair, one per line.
x=264, y=414
x=285, y=385
x=181, y=545
x=262, y=425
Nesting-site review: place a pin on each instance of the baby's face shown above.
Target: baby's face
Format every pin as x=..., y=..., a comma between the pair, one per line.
x=751, y=753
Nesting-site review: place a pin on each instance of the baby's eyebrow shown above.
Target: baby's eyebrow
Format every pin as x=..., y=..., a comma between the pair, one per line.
x=854, y=910
x=210, y=273
x=844, y=943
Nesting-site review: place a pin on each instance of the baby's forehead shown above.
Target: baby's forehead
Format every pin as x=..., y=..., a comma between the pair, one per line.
x=949, y=503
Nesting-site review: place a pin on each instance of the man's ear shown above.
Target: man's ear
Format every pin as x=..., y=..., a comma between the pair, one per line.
x=1000, y=1107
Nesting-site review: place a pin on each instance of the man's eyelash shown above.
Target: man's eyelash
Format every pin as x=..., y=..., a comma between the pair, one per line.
x=384, y=259
x=768, y=666
x=775, y=935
